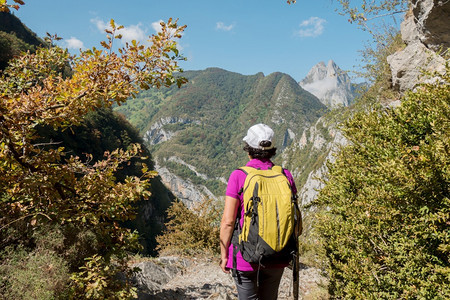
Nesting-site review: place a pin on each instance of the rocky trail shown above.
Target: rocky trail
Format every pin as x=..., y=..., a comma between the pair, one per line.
x=201, y=278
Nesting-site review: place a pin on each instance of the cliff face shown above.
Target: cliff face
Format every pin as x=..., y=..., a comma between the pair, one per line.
x=182, y=188
x=431, y=22
x=426, y=32
x=314, y=182
x=157, y=132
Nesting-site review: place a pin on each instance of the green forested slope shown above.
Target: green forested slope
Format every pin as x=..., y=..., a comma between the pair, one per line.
x=15, y=38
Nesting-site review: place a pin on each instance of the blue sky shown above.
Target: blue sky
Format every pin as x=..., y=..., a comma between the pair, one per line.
x=243, y=36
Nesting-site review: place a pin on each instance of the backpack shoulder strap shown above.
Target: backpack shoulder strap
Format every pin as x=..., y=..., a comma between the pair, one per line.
x=246, y=169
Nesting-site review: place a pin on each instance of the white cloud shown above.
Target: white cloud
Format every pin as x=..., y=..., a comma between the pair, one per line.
x=157, y=25
x=73, y=43
x=312, y=27
x=133, y=32
x=100, y=24
x=129, y=33
x=321, y=87
x=222, y=26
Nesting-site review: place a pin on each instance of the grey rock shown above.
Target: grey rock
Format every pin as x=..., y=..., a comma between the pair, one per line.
x=426, y=31
x=176, y=278
x=432, y=20
x=152, y=275
x=314, y=182
x=184, y=190
x=408, y=66
x=157, y=134
x=409, y=30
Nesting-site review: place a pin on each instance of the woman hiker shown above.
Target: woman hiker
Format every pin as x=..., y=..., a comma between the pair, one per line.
x=253, y=281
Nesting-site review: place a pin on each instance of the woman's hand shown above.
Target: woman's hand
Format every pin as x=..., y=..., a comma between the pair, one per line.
x=223, y=265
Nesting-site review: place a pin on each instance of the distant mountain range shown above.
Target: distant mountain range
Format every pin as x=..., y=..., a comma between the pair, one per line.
x=330, y=84
x=195, y=132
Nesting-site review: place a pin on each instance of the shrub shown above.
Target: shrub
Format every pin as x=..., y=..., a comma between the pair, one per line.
x=386, y=203
x=41, y=273
x=190, y=232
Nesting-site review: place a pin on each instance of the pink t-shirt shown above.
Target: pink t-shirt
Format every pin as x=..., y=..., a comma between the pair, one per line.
x=235, y=183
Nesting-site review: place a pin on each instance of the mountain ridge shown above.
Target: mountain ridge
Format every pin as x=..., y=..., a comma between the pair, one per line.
x=15, y=38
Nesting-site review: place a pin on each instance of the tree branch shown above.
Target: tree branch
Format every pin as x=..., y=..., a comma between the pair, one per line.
x=23, y=217
x=386, y=14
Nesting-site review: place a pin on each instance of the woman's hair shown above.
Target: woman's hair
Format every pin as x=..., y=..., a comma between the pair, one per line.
x=259, y=153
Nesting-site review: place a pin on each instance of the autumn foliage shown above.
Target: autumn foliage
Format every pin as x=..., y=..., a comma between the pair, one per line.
x=42, y=184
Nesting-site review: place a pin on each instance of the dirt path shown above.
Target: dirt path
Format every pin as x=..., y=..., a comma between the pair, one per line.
x=176, y=278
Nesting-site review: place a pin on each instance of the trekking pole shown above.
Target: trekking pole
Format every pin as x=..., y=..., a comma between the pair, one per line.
x=295, y=271
x=296, y=264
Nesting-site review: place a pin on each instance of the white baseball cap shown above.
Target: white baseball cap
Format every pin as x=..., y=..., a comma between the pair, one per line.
x=258, y=133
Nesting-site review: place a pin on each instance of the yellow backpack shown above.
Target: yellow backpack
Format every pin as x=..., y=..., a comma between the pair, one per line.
x=270, y=216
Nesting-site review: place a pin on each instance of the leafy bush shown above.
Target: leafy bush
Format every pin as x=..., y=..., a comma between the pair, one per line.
x=191, y=231
x=386, y=204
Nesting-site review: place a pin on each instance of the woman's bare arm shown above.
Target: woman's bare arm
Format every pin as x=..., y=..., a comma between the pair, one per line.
x=226, y=229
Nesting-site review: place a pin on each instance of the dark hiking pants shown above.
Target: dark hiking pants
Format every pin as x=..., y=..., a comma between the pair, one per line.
x=267, y=289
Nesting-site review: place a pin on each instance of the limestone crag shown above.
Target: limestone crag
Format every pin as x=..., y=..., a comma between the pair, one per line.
x=408, y=66
x=426, y=32
x=312, y=135
x=191, y=167
x=289, y=135
x=315, y=183
x=183, y=189
x=432, y=22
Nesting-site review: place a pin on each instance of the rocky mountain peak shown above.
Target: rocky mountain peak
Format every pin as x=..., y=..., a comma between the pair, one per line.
x=330, y=84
